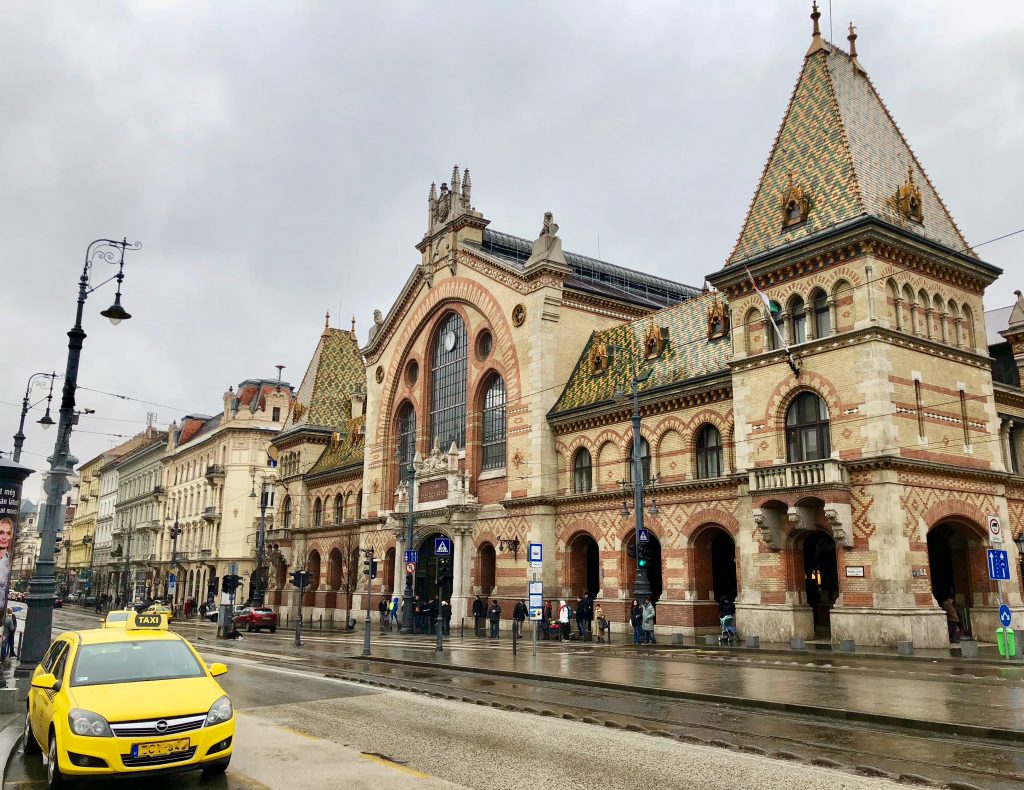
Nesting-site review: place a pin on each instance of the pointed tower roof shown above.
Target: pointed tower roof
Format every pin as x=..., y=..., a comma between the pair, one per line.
x=324, y=398
x=840, y=147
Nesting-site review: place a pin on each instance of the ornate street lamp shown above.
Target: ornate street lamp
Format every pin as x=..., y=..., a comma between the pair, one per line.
x=46, y=421
x=257, y=587
x=39, y=621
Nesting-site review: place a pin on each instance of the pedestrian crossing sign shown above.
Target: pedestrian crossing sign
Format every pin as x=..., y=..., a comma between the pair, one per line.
x=443, y=547
x=643, y=536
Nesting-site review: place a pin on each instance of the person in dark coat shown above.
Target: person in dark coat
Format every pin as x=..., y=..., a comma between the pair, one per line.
x=545, y=620
x=636, y=619
x=446, y=617
x=479, y=610
x=494, y=616
x=430, y=615
x=519, y=616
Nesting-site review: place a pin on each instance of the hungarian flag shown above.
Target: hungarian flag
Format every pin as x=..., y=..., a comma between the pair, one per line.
x=773, y=308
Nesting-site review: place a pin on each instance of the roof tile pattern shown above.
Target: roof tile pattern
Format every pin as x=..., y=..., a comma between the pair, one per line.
x=689, y=355
x=346, y=453
x=843, y=148
x=334, y=373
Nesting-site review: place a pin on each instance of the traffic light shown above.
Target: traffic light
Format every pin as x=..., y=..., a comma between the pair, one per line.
x=230, y=582
x=444, y=570
x=369, y=565
x=641, y=558
x=300, y=578
x=631, y=551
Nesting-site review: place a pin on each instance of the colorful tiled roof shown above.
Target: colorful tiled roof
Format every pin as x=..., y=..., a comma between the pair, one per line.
x=334, y=373
x=843, y=148
x=346, y=453
x=688, y=355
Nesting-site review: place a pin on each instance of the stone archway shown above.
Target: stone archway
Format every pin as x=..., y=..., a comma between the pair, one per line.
x=820, y=578
x=488, y=569
x=584, y=566
x=714, y=564
x=956, y=565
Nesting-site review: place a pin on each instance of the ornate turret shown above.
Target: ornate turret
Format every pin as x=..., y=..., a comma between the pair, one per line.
x=451, y=202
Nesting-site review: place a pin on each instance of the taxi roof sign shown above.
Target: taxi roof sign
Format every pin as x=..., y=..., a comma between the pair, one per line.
x=148, y=621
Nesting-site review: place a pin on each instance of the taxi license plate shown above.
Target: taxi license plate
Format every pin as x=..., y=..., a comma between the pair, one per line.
x=160, y=749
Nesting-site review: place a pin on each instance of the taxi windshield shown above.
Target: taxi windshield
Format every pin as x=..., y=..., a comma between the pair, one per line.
x=132, y=662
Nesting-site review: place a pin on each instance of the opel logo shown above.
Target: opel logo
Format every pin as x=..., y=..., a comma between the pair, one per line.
x=161, y=726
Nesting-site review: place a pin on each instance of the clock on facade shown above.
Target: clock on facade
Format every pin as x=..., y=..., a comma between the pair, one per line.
x=449, y=340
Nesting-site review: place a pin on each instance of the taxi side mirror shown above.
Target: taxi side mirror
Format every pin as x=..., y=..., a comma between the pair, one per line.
x=218, y=669
x=46, y=681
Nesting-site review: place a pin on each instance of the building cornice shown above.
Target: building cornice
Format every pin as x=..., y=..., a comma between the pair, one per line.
x=943, y=470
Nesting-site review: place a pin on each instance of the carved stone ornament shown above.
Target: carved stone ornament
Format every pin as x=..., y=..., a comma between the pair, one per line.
x=655, y=341
x=794, y=204
x=769, y=535
x=840, y=532
x=600, y=358
x=518, y=315
x=298, y=410
x=718, y=320
x=379, y=375
x=908, y=199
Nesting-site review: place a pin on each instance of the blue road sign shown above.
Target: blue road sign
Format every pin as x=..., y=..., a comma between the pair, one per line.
x=443, y=547
x=411, y=555
x=643, y=537
x=1005, y=615
x=535, y=552
x=998, y=565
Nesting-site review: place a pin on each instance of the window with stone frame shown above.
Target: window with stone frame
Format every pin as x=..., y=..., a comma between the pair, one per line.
x=807, y=429
x=822, y=314
x=448, y=382
x=709, y=452
x=405, y=435
x=582, y=472
x=494, y=425
x=645, y=460
x=318, y=512
x=339, y=508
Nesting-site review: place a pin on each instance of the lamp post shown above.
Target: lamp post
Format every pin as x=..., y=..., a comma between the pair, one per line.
x=642, y=585
x=127, y=552
x=257, y=588
x=67, y=557
x=39, y=621
x=87, y=540
x=410, y=477
x=175, y=531
x=46, y=421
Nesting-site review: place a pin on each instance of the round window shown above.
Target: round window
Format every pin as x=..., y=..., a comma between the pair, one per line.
x=484, y=344
x=412, y=372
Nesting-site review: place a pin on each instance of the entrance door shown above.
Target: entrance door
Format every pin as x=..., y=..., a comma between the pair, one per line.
x=426, y=585
x=655, y=577
x=949, y=564
x=821, y=579
x=585, y=566
x=723, y=566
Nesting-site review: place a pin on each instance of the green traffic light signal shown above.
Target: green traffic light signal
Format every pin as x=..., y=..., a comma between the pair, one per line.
x=643, y=562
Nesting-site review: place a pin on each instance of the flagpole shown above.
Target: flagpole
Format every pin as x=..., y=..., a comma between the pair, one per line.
x=768, y=306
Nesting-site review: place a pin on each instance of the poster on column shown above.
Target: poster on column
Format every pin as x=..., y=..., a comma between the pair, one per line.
x=10, y=502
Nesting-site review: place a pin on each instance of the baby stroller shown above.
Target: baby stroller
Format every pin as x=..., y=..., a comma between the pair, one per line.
x=729, y=635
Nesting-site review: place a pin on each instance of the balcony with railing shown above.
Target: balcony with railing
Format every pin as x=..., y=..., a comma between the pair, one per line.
x=805, y=474
x=214, y=473
x=211, y=514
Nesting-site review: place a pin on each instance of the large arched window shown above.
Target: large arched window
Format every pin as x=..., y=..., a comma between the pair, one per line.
x=798, y=320
x=339, y=508
x=448, y=384
x=405, y=434
x=493, y=444
x=774, y=327
x=807, y=429
x=582, y=472
x=709, y=452
x=318, y=512
x=645, y=460
x=822, y=318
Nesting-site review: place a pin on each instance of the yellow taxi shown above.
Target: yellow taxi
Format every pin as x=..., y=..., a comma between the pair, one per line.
x=117, y=618
x=159, y=608
x=131, y=701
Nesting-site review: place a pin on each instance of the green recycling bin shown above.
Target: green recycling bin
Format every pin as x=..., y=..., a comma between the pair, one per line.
x=1007, y=642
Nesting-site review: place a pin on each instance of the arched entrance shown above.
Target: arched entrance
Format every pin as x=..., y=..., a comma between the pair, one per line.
x=714, y=564
x=426, y=581
x=488, y=569
x=387, y=578
x=654, y=571
x=951, y=546
x=584, y=566
x=821, y=579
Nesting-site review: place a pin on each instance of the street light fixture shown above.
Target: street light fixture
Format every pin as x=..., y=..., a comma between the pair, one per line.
x=257, y=589
x=35, y=379
x=39, y=620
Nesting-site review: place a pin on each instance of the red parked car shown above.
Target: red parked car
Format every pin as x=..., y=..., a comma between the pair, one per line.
x=253, y=618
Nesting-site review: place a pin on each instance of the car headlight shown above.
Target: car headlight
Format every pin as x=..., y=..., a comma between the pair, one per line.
x=219, y=711
x=85, y=722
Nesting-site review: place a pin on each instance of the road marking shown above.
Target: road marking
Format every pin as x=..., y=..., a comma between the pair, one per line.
x=381, y=760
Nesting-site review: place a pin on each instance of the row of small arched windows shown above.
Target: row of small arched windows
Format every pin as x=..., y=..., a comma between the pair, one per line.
x=322, y=510
x=931, y=317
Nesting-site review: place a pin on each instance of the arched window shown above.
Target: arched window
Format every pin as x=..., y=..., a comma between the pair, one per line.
x=339, y=508
x=709, y=452
x=405, y=433
x=798, y=319
x=774, y=328
x=645, y=460
x=582, y=472
x=448, y=384
x=359, y=505
x=493, y=444
x=318, y=512
x=822, y=318
x=807, y=429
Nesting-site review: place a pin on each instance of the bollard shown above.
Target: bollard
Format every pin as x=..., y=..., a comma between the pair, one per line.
x=906, y=647
x=968, y=648
x=322, y=622
x=797, y=643
x=514, y=636
x=754, y=641
x=675, y=639
x=711, y=639
x=847, y=646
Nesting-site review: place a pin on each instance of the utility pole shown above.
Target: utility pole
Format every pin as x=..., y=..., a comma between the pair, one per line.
x=175, y=531
x=407, y=627
x=370, y=572
x=257, y=590
x=127, y=564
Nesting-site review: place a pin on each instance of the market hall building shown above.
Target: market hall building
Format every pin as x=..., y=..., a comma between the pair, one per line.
x=828, y=455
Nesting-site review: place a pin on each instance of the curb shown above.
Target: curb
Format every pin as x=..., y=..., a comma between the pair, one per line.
x=899, y=722
x=812, y=652
x=10, y=737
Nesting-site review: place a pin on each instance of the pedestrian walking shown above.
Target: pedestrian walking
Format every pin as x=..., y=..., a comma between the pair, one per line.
x=446, y=617
x=564, y=614
x=479, y=610
x=545, y=620
x=494, y=616
x=394, y=613
x=382, y=609
x=648, y=622
x=952, y=619
x=588, y=614
x=636, y=618
x=430, y=615
x=602, y=622
x=519, y=617
x=10, y=630
x=417, y=614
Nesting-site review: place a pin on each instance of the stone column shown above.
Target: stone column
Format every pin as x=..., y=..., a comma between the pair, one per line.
x=958, y=332
x=398, y=583
x=928, y=322
x=913, y=319
x=898, y=304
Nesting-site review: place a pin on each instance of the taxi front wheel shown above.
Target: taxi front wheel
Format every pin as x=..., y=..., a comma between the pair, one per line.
x=30, y=744
x=54, y=778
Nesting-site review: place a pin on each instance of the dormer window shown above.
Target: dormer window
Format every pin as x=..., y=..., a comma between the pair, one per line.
x=656, y=341
x=718, y=321
x=600, y=358
x=908, y=199
x=794, y=204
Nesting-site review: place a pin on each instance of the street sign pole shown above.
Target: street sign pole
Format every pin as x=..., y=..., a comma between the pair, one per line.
x=999, y=571
x=439, y=647
x=536, y=623
x=298, y=619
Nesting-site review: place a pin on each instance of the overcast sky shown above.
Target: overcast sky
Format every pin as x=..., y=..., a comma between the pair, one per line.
x=274, y=159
